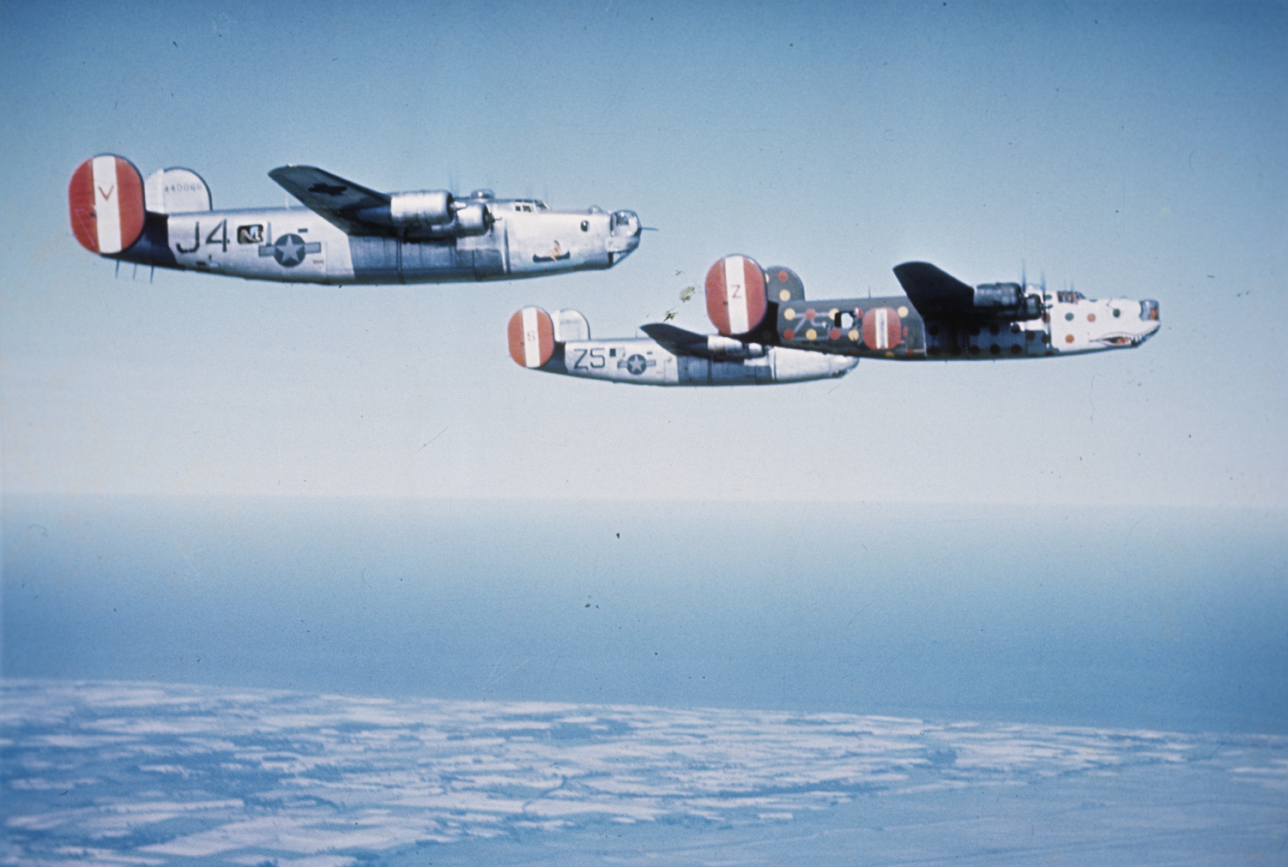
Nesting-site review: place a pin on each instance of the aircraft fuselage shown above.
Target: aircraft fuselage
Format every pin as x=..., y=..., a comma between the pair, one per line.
x=890, y=327
x=644, y=361
x=297, y=245
x=345, y=234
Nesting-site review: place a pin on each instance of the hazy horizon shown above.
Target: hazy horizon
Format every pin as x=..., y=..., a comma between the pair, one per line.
x=1168, y=619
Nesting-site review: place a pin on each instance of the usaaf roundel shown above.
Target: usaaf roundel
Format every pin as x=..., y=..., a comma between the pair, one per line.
x=532, y=337
x=105, y=198
x=735, y=295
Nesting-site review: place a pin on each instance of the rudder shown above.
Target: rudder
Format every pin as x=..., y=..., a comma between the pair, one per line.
x=531, y=337
x=735, y=295
x=105, y=201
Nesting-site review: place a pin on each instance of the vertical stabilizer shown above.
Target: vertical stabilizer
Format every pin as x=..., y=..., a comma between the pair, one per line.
x=176, y=191
x=105, y=200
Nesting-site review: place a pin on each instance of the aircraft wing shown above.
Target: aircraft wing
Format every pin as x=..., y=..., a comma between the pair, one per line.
x=354, y=209
x=677, y=340
x=936, y=294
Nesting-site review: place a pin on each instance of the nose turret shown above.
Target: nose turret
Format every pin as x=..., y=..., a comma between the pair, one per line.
x=623, y=234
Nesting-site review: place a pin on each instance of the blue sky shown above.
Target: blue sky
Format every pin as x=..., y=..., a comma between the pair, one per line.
x=1127, y=149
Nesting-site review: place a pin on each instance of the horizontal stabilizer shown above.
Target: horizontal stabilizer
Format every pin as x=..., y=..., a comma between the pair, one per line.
x=342, y=203
x=935, y=294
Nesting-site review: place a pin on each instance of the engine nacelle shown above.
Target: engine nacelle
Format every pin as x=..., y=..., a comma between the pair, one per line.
x=729, y=347
x=420, y=209
x=1007, y=301
x=473, y=219
x=434, y=214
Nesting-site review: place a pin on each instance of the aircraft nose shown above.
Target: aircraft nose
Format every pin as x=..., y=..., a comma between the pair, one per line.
x=624, y=232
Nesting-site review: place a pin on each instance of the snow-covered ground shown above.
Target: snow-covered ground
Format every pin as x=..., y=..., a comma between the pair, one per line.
x=134, y=773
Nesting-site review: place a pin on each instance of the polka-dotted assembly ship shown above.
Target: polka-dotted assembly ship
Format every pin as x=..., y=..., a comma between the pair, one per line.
x=348, y=234
x=769, y=332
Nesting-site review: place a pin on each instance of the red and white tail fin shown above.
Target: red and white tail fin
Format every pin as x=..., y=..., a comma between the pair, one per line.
x=532, y=337
x=105, y=198
x=736, y=295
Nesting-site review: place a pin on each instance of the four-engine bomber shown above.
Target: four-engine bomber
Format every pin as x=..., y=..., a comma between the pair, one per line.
x=348, y=234
x=769, y=332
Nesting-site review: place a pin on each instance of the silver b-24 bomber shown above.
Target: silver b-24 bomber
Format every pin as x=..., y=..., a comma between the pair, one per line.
x=769, y=333
x=349, y=234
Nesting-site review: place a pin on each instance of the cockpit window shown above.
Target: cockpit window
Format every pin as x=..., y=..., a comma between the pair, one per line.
x=1068, y=297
